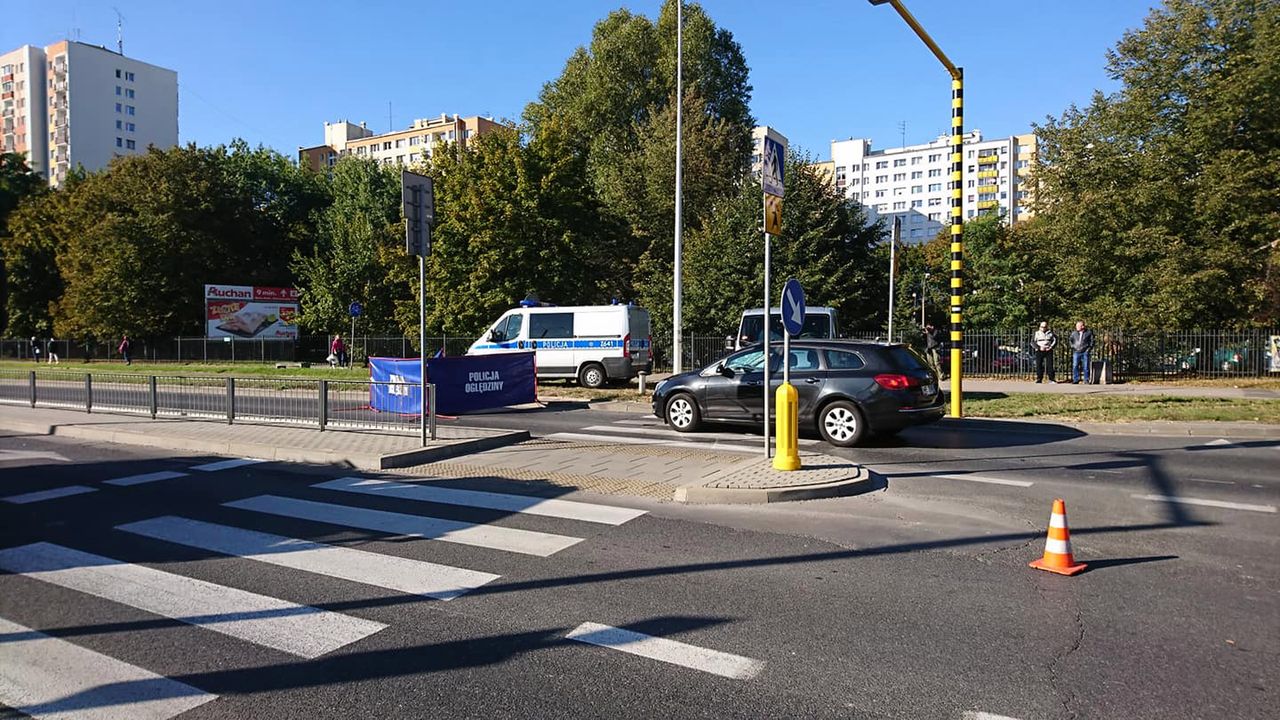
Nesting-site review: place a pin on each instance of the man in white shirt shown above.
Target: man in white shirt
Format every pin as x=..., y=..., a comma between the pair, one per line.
x=1044, y=342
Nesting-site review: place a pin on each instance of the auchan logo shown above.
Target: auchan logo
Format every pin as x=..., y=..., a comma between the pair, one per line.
x=228, y=292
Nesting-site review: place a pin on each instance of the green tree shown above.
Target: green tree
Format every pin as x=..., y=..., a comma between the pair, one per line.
x=827, y=244
x=1160, y=203
x=357, y=234
x=17, y=183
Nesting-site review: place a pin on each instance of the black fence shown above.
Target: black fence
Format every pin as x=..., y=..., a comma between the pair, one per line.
x=1128, y=354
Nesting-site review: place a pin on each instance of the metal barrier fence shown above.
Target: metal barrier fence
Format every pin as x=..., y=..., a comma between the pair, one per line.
x=308, y=348
x=300, y=402
x=1010, y=354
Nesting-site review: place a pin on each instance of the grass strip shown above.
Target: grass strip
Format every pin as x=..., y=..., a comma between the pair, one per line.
x=1120, y=408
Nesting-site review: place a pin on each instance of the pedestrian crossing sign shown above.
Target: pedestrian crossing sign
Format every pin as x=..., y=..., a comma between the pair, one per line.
x=773, y=159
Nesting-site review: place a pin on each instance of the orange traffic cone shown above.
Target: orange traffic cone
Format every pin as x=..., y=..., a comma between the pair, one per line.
x=1057, y=547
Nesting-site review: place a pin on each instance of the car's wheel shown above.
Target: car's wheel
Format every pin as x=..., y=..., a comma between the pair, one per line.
x=592, y=375
x=841, y=424
x=682, y=413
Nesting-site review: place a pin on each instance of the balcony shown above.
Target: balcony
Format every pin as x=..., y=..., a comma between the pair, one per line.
x=986, y=189
x=988, y=159
x=988, y=204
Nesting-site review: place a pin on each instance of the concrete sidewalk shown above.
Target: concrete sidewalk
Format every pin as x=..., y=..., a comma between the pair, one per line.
x=684, y=474
x=1134, y=388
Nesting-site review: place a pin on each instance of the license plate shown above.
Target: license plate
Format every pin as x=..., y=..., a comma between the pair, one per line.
x=929, y=389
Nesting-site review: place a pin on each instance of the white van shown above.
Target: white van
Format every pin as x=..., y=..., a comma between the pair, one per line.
x=592, y=344
x=820, y=323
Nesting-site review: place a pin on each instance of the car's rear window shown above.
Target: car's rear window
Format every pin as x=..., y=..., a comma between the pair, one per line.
x=844, y=360
x=905, y=358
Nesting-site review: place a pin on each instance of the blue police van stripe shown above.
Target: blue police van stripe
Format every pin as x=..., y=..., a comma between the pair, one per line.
x=560, y=345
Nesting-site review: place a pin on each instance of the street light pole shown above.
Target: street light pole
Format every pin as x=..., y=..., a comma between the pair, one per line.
x=957, y=204
x=677, y=347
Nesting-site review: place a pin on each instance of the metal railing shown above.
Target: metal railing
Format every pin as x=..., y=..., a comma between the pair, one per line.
x=308, y=348
x=298, y=402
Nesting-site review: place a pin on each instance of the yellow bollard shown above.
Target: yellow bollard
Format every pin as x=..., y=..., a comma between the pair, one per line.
x=788, y=404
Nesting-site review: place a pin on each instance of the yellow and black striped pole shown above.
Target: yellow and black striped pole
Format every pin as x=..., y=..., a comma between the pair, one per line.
x=957, y=241
x=957, y=202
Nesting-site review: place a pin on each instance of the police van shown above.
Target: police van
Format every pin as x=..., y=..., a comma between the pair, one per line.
x=820, y=323
x=592, y=343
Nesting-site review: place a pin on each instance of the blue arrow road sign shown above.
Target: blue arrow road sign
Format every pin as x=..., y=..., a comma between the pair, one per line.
x=356, y=309
x=793, y=307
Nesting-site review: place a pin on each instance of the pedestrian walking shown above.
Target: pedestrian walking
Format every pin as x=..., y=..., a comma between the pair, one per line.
x=1081, y=347
x=35, y=349
x=338, y=350
x=53, y=352
x=1044, y=342
x=931, y=345
x=124, y=348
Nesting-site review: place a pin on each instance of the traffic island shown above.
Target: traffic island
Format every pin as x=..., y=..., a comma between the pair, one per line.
x=754, y=480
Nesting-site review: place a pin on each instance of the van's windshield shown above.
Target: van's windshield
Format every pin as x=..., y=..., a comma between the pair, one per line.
x=815, y=326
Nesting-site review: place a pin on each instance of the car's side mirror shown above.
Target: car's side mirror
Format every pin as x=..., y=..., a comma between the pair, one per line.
x=495, y=336
x=728, y=343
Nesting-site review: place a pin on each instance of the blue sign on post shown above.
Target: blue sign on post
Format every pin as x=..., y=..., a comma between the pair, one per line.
x=793, y=307
x=356, y=309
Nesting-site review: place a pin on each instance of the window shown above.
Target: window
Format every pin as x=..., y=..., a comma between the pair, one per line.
x=119, y=90
x=970, y=153
x=128, y=76
x=119, y=142
x=900, y=162
x=935, y=187
x=130, y=127
x=117, y=70
x=413, y=158
x=915, y=160
x=550, y=325
x=916, y=175
x=935, y=173
x=360, y=150
x=1004, y=165
x=882, y=164
x=510, y=330
x=865, y=195
x=853, y=181
x=880, y=193
x=865, y=167
x=800, y=360
x=970, y=183
x=970, y=198
x=400, y=159
x=400, y=143
x=131, y=145
x=917, y=203
x=1004, y=150
x=747, y=360
x=453, y=135
x=128, y=109
x=1024, y=149
x=415, y=140
x=899, y=177
x=935, y=157
x=128, y=92
x=386, y=145
x=915, y=232
x=900, y=206
x=882, y=207
x=119, y=124
x=917, y=189
x=882, y=178
x=119, y=107
x=899, y=191
x=935, y=216
x=1022, y=163
x=935, y=201
x=970, y=169
x=1004, y=196
x=844, y=360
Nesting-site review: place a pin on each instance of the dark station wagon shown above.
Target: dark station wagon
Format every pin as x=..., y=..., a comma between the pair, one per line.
x=847, y=389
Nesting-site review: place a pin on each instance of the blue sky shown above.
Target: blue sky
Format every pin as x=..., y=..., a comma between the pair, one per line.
x=273, y=72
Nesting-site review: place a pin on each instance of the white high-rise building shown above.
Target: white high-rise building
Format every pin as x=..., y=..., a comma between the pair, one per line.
x=912, y=182
x=71, y=104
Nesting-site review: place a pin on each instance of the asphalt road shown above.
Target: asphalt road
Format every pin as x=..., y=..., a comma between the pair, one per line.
x=912, y=602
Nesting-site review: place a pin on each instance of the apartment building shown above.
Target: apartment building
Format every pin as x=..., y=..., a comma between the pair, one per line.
x=912, y=182
x=72, y=104
x=398, y=147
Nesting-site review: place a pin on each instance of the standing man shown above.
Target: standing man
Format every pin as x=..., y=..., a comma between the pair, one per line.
x=931, y=346
x=35, y=349
x=125, y=347
x=1081, y=347
x=1044, y=342
x=53, y=352
x=339, y=349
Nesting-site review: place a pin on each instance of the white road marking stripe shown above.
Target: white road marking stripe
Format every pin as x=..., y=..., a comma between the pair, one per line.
x=566, y=509
x=654, y=422
x=976, y=715
x=296, y=629
x=1208, y=503
x=606, y=439
x=673, y=434
x=463, y=533
x=146, y=478
x=45, y=677
x=1220, y=441
x=42, y=495
x=226, y=464
x=668, y=651
x=1213, y=482
x=415, y=577
x=987, y=480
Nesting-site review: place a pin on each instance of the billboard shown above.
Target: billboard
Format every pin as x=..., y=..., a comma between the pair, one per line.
x=247, y=312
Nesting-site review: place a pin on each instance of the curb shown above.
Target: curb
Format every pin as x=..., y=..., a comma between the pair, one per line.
x=264, y=451
x=862, y=482
x=623, y=406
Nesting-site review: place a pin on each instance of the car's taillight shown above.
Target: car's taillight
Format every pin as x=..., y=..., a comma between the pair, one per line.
x=626, y=346
x=893, y=381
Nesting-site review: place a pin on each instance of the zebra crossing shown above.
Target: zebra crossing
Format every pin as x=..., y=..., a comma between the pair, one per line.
x=647, y=430
x=47, y=675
